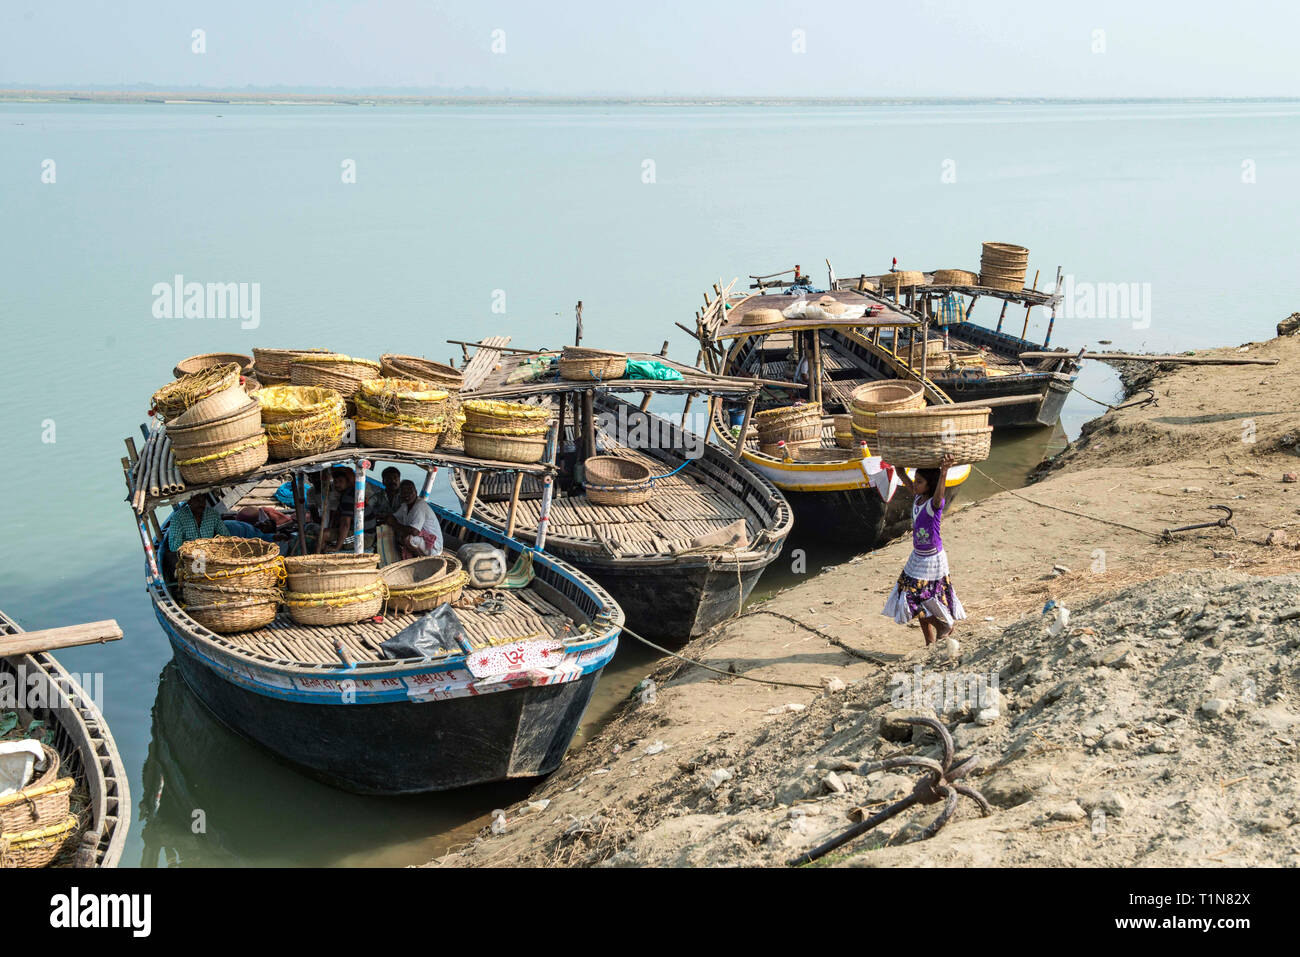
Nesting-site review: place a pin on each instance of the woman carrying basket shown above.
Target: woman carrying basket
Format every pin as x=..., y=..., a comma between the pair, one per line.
x=924, y=588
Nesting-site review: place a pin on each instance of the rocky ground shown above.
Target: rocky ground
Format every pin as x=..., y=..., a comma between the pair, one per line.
x=1158, y=726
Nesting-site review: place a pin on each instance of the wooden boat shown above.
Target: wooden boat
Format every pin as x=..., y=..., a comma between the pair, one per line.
x=504, y=703
x=86, y=747
x=681, y=562
x=979, y=363
x=827, y=485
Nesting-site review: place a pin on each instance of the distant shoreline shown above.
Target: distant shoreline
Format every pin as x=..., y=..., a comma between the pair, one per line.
x=221, y=98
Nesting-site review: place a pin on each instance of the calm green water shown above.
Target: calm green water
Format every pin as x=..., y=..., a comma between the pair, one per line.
x=457, y=210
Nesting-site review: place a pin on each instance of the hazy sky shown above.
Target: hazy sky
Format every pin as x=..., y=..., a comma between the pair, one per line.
x=923, y=48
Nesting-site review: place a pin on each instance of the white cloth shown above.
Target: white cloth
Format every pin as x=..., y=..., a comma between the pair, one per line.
x=17, y=759
x=896, y=608
x=419, y=516
x=927, y=568
x=882, y=477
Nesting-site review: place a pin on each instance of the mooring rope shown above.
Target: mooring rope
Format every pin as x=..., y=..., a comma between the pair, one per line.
x=729, y=674
x=1067, y=511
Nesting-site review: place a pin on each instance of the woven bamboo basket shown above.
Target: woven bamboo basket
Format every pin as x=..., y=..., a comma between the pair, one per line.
x=274, y=364
x=777, y=451
x=394, y=366
x=452, y=437
x=1003, y=266
x=339, y=607
x=419, y=584
x=209, y=359
x=225, y=402
x=331, y=370
x=38, y=847
x=43, y=801
x=310, y=435
x=614, y=480
x=591, y=364
x=932, y=349
x=415, y=398
x=52, y=765
x=954, y=277
x=483, y=415
x=246, y=562
x=285, y=403
x=330, y=573
x=762, y=316
x=796, y=424
x=810, y=454
x=227, y=609
x=238, y=426
x=902, y=279
x=230, y=461
x=400, y=438
x=890, y=395
x=522, y=449
x=922, y=437
x=843, y=426
x=177, y=396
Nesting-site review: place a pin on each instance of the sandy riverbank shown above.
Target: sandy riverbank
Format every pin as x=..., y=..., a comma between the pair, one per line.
x=1159, y=727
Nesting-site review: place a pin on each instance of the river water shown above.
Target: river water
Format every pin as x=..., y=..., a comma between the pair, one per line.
x=1172, y=221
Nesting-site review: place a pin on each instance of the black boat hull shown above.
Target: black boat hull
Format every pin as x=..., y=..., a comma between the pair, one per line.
x=1046, y=393
x=402, y=747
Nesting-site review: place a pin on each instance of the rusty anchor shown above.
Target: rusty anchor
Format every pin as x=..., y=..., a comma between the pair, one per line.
x=940, y=784
x=1225, y=522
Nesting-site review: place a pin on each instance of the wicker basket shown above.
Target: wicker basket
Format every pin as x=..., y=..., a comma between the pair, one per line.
x=413, y=398
x=778, y=451
x=954, y=277
x=43, y=801
x=341, y=607
x=310, y=435
x=272, y=365
x=484, y=415
x=889, y=395
x=591, y=364
x=902, y=279
x=39, y=847
x=1003, y=266
x=521, y=449
x=250, y=563
x=285, y=403
x=419, y=584
x=209, y=359
x=238, y=426
x=844, y=431
x=400, y=438
x=177, y=396
x=793, y=424
x=230, y=610
x=614, y=480
x=396, y=366
x=329, y=573
x=331, y=370
x=229, y=461
x=452, y=438
x=922, y=437
x=761, y=316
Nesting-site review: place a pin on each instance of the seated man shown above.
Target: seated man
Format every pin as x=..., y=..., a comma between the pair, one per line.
x=381, y=502
x=414, y=524
x=199, y=518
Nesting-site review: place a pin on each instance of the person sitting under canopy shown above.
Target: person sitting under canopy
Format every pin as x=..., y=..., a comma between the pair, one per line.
x=414, y=524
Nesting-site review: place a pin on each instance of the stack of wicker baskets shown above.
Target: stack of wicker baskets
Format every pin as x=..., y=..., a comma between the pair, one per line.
x=339, y=589
x=331, y=370
x=300, y=420
x=394, y=366
x=409, y=415
x=922, y=437
x=419, y=584
x=591, y=364
x=1003, y=266
x=932, y=349
x=844, y=431
x=613, y=480
x=901, y=279
x=37, y=822
x=798, y=426
x=505, y=431
x=890, y=395
x=214, y=426
x=230, y=584
x=272, y=366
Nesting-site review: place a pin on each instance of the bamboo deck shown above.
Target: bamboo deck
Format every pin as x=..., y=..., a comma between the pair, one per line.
x=683, y=516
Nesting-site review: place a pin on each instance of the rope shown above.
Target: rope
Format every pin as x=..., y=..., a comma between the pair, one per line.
x=729, y=674
x=1115, y=408
x=1067, y=511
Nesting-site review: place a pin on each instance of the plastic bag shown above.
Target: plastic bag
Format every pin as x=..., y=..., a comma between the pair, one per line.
x=438, y=633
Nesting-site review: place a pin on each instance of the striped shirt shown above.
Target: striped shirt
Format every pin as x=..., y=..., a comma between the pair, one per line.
x=183, y=528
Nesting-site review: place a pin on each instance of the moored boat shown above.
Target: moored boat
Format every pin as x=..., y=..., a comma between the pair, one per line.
x=686, y=557
x=499, y=696
x=73, y=725
x=829, y=355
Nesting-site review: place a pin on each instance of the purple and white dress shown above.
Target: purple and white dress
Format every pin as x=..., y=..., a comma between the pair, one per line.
x=924, y=588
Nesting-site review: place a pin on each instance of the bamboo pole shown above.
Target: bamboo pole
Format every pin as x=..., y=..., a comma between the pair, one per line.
x=472, y=498
x=67, y=636
x=815, y=368
x=300, y=512
x=1025, y=331
x=1137, y=357
x=744, y=427
x=588, y=423
x=514, y=505
x=548, y=488
x=359, y=506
